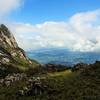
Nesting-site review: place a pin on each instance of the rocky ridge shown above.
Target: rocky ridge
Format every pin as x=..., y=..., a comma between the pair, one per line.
x=10, y=53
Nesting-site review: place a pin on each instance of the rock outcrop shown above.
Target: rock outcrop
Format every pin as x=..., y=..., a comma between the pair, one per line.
x=34, y=87
x=10, y=53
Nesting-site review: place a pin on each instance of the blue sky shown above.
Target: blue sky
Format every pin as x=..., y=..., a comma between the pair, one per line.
x=38, y=11
x=70, y=24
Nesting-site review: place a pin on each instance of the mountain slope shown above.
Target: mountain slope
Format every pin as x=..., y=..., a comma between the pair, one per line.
x=81, y=84
x=10, y=53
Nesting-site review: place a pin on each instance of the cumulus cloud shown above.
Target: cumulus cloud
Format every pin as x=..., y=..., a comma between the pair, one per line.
x=6, y=6
x=80, y=33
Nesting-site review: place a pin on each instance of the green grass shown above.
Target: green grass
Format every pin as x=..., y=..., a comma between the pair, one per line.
x=65, y=85
x=62, y=73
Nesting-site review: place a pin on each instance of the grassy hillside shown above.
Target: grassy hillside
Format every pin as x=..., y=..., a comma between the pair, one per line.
x=66, y=85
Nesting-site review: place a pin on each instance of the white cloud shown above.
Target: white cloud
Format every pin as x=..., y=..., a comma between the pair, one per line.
x=6, y=6
x=81, y=32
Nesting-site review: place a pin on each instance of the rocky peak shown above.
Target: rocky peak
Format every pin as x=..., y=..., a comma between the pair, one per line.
x=5, y=30
x=10, y=53
x=6, y=38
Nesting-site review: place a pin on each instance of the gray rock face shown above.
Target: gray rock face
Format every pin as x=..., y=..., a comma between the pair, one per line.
x=9, y=49
x=6, y=38
x=12, y=78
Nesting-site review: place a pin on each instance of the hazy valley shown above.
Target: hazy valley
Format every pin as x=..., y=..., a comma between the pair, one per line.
x=63, y=56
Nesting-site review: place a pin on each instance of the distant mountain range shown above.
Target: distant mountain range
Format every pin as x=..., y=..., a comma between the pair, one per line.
x=63, y=56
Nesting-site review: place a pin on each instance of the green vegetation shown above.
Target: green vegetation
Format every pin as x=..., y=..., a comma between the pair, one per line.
x=65, y=85
x=60, y=74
